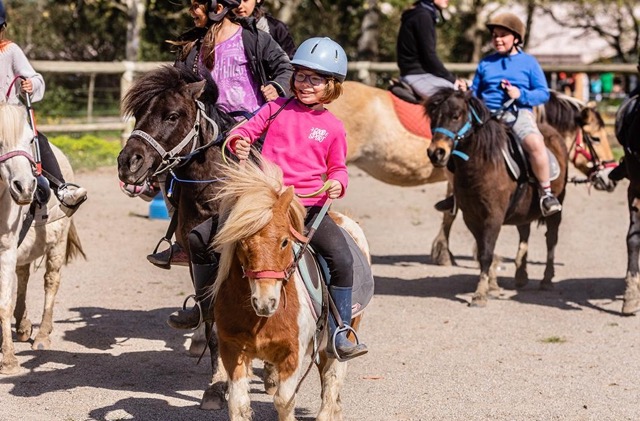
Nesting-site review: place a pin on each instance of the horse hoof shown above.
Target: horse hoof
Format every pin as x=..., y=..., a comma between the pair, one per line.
x=41, y=344
x=213, y=398
x=9, y=367
x=197, y=348
x=521, y=281
x=479, y=302
x=546, y=286
x=630, y=307
x=23, y=336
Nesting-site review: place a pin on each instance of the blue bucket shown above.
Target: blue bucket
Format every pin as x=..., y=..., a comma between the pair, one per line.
x=157, y=208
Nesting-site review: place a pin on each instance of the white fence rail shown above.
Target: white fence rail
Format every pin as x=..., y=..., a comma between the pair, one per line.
x=363, y=70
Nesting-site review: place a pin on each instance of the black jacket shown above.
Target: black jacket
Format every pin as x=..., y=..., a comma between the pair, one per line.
x=280, y=32
x=269, y=64
x=416, y=45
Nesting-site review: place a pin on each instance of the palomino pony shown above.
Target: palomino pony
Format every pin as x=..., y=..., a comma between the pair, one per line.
x=585, y=136
x=261, y=310
x=484, y=190
x=56, y=239
x=629, y=137
x=380, y=145
x=177, y=138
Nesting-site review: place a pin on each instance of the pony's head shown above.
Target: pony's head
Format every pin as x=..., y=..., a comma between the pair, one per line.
x=169, y=120
x=454, y=116
x=255, y=239
x=16, y=162
x=585, y=134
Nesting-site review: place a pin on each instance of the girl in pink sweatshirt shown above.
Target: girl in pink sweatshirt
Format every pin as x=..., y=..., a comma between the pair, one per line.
x=309, y=143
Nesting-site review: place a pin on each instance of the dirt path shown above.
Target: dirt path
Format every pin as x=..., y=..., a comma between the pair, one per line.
x=559, y=355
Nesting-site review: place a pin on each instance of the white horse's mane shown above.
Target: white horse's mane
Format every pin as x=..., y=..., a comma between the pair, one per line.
x=13, y=120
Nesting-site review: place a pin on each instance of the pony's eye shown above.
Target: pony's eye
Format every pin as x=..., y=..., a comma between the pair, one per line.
x=595, y=139
x=285, y=242
x=173, y=117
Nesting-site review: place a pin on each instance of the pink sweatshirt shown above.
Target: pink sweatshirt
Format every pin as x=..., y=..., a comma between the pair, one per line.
x=306, y=144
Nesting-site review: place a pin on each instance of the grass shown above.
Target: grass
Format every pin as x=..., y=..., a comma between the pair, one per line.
x=88, y=152
x=553, y=340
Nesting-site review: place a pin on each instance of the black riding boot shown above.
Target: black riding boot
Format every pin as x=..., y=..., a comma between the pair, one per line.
x=191, y=318
x=344, y=349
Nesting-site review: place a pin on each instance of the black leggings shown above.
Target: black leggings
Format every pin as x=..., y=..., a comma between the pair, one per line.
x=49, y=162
x=200, y=239
x=330, y=243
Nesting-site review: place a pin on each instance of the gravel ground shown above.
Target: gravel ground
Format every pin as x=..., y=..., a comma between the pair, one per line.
x=566, y=354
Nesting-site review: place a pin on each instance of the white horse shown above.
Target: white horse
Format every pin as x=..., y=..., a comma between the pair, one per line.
x=55, y=239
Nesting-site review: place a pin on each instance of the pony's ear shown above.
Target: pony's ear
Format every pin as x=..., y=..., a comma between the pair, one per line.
x=284, y=201
x=196, y=89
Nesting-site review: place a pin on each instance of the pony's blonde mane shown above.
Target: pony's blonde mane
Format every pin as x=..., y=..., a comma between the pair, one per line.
x=12, y=124
x=247, y=197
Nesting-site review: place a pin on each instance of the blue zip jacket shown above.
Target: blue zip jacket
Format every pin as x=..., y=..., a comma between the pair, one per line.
x=521, y=70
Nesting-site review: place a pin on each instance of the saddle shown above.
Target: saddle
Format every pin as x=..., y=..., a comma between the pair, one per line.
x=409, y=109
x=313, y=270
x=517, y=161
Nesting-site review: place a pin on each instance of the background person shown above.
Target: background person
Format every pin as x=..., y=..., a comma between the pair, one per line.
x=420, y=66
x=13, y=64
x=265, y=22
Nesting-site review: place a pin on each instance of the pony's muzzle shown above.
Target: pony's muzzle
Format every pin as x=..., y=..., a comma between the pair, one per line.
x=22, y=190
x=438, y=156
x=265, y=297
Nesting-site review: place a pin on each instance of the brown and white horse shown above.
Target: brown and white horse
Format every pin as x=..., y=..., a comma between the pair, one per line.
x=260, y=308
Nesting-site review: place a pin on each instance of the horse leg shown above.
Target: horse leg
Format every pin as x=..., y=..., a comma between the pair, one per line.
x=23, y=324
x=237, y=365
x=214, y=396
x=522, y=277
x=332, y=375
x=289, y=373
x=198, y=341
x=486, y=238
x=553, y=226
x=440, y=253
x=51, y=286
x=9, y=361
x=270, y=378
x=631, y=300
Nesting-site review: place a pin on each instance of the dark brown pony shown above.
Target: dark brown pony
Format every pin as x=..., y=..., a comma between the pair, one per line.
x=485, y=192
x=176, y=138
x=585, y=136
x=629, y=137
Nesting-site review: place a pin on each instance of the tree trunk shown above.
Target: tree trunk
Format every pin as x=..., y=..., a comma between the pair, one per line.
x=135, y=13
x=368, y=41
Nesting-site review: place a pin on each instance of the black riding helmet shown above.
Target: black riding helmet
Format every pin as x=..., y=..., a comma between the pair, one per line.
x=213, y=4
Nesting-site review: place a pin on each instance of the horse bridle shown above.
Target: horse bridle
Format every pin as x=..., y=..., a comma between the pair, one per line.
x=583, y=145
x=169, y=158
x=7, y=156
x=462, y=133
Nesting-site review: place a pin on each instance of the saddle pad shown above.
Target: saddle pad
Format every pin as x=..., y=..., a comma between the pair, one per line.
x=412, y=117
x=313, y=267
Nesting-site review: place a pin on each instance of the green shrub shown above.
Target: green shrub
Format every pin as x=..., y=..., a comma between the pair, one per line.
x=88, y=152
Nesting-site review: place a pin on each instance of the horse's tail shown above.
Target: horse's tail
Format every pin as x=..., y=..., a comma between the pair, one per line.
x=74, y=247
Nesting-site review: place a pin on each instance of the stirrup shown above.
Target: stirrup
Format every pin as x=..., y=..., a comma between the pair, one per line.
x=197, y=304
x=345, y=328
x=155, y=251
x=69, y=210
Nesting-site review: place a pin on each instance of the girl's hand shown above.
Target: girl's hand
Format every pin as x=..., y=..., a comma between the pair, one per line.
x=26, y=86
x=269, y=92
x=243, y=147
x=335, y=189
x=512, y=91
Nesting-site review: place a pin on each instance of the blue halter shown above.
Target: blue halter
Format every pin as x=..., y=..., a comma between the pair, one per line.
x=460, y=134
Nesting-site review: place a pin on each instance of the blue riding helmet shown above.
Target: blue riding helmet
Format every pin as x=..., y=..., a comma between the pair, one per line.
x=322, y=55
